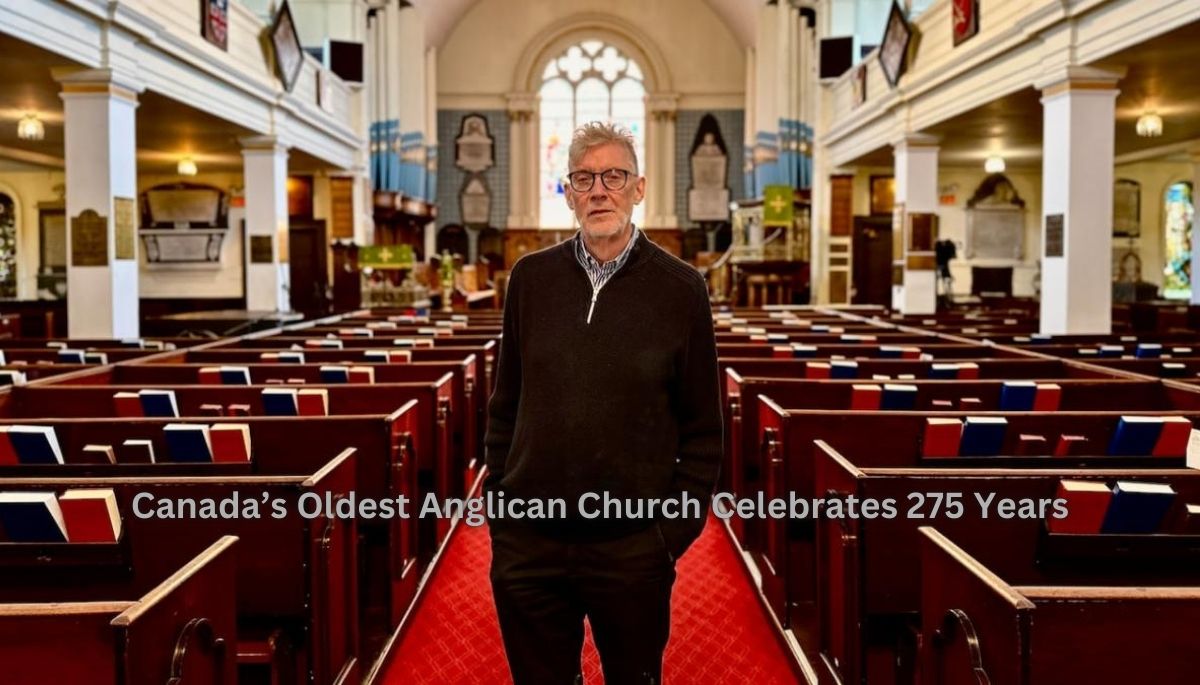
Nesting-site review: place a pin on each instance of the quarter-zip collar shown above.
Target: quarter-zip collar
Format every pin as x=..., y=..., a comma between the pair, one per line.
x=599, y=274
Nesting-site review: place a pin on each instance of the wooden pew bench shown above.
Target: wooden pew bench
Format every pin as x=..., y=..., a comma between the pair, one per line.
x=789, y=459
x=1010, y=621
x=182, y=627
x=868, y=580
x=393, y=551
x=300, y=584
x=456, y=468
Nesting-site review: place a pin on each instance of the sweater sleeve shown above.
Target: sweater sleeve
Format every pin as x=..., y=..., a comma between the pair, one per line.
x=700, y=426
x=506, y=391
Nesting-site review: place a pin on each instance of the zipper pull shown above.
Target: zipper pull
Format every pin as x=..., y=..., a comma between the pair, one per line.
x=592, y=306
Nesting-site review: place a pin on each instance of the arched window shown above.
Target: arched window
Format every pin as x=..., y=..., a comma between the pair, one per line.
x=1178, y=212
x=588, y=82
x=8, y=246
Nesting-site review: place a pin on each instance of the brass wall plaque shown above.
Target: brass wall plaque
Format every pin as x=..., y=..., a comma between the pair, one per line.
x=89, y=239
x=261, y=249
x=125, y=228
x=1054, y=235
x=921, y=262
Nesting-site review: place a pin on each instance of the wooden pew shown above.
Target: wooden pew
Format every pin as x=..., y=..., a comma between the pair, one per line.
x=458, y=466
x=1153, y=368
x=939, y=351
x=789, y=460
x=869, y=580
x=446, y=446
x=38, y=355
x=1010, y=624
x=393, y=551
x=300, y=582
x=281, y=342
x=181, y=630
x=742, y=459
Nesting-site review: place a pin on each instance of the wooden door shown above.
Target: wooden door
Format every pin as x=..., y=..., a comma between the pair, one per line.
x=307, y=259
x=872, y=260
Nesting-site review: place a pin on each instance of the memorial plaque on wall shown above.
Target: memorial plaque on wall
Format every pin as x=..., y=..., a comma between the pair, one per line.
x=995, y=221
x=708, y=197
x=1054, y=235
x=125, y=228
x=184, y=205
x=475, y=202
x=261, y=251
x=89, y=239
x=1127, y=210
x=922, y=231
x=473, y=146
x=341, y=207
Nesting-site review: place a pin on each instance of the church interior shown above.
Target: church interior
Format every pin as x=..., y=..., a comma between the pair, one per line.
x=254, y=257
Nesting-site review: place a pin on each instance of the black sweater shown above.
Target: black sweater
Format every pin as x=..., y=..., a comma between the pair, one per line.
x=628, y=404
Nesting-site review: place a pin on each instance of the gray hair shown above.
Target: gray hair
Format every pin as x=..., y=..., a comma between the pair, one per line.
x=596, y=133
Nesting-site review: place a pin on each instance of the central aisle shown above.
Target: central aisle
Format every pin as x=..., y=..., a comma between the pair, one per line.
x=719, y=633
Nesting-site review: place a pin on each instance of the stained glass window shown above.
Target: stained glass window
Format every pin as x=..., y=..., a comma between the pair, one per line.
x=591, y=81
x=8, y=247
x=1178, y=212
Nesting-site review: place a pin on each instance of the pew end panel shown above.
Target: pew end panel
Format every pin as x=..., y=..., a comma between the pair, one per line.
x=961, y=600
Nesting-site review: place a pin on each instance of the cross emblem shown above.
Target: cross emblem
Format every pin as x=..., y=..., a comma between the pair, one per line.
x=385, y=255
x=778, y=204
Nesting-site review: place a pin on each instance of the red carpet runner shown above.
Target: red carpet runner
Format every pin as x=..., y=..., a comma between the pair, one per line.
x=719, y=634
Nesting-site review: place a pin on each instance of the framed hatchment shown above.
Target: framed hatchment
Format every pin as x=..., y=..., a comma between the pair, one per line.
x=1127, y=208
x=964, y=20
x=860, y=84
x=214, y=22
x=285, y=43
x=893, y=52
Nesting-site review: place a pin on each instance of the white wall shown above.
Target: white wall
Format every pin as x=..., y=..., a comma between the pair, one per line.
x=702, y=55
x=317, y=20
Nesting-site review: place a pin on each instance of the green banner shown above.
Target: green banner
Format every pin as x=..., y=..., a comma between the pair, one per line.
x=778, y=208
x=386, y=256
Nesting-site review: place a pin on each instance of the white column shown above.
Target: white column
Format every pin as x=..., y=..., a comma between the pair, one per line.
x=523, y=197
x=1195, y=227
x=916, y=160
x=659, y=165
x=264, y=164
x=1078, y=133
x=101, y=182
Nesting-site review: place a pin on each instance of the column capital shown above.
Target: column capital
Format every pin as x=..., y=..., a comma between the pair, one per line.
x=1077, y=78
x=521, y=106
x=662, y=104
x=912, y=141
x=261, y=144
x=91, y=82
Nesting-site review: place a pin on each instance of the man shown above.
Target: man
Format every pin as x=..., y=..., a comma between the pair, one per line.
x=606, y=383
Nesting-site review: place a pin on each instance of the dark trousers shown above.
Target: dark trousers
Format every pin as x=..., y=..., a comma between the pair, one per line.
x=545, y=587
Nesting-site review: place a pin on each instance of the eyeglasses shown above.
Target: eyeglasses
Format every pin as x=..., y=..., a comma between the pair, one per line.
x=613, y=179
